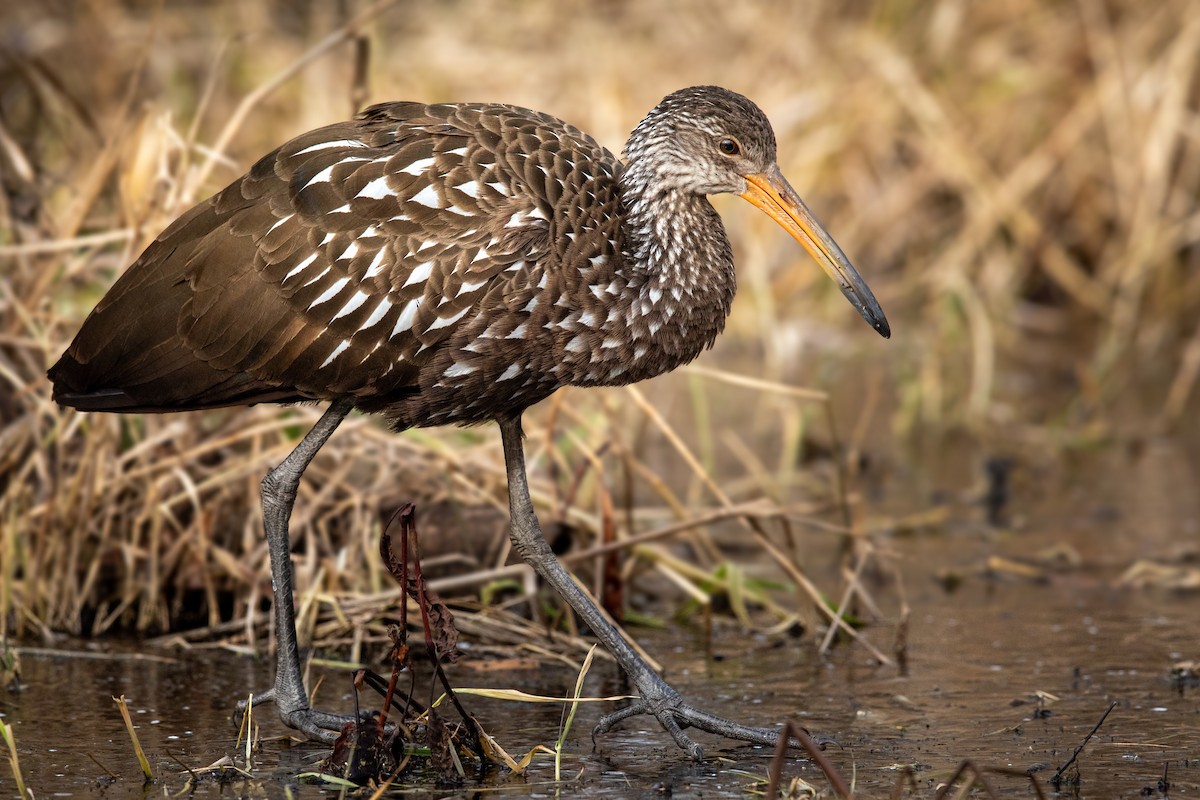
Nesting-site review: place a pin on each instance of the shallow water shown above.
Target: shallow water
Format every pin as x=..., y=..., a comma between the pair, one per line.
x=972, y=661
x=977, y=656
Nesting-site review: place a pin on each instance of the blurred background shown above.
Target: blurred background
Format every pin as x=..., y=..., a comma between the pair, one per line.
x=1017, y=181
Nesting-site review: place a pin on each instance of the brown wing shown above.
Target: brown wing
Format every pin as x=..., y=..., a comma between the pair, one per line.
x=336, y=266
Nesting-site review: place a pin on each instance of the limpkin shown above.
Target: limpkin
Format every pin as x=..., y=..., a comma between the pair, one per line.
x=447, y=264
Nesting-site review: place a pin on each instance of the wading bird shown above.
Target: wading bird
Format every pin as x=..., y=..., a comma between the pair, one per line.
x=447, y=264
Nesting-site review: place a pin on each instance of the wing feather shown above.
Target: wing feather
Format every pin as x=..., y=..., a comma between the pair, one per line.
x=337, y=265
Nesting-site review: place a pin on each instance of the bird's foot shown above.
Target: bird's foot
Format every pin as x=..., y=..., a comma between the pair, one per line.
x=674, y=715
x=317, y=725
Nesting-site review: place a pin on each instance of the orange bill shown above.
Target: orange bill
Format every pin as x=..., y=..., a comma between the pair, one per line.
x=771, y=192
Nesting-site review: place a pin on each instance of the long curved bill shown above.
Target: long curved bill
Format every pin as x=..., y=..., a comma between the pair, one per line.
x=771, y=192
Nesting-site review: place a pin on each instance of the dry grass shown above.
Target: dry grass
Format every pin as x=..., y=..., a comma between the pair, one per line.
x=1018, y=182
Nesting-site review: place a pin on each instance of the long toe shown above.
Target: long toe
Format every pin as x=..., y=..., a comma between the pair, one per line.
x=711, y=723
x=319, y=725
x=608, y=721
x=254, y=702
x=674, y=715
x=665, y=716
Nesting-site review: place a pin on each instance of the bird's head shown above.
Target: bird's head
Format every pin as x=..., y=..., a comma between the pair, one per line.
x=708, y=140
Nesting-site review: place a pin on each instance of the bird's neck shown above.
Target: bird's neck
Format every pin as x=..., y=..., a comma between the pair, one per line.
x=678, y=271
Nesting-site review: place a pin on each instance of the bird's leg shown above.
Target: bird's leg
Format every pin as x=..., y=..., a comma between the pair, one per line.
x=278, y=497
x=656, y=698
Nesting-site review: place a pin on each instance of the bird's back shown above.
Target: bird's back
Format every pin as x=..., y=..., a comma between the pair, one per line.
x=368, y=258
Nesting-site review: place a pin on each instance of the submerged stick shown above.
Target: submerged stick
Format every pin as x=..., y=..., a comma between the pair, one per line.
x=246, y=727
x=964, y=767
x=137, y=746
x=790, y=733
x=7, y=734
x=570, y=712
x=1057, y=779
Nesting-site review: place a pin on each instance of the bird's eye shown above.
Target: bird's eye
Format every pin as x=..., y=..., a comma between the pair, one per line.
x=729, y=147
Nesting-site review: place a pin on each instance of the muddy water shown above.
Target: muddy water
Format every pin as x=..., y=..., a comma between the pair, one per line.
x=978, y=657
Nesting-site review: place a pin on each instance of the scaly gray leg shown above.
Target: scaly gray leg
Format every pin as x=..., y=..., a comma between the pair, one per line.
x=657, y=697
x=278, y=497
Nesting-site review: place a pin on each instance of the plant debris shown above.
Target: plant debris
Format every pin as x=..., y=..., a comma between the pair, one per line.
x=368, y=748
